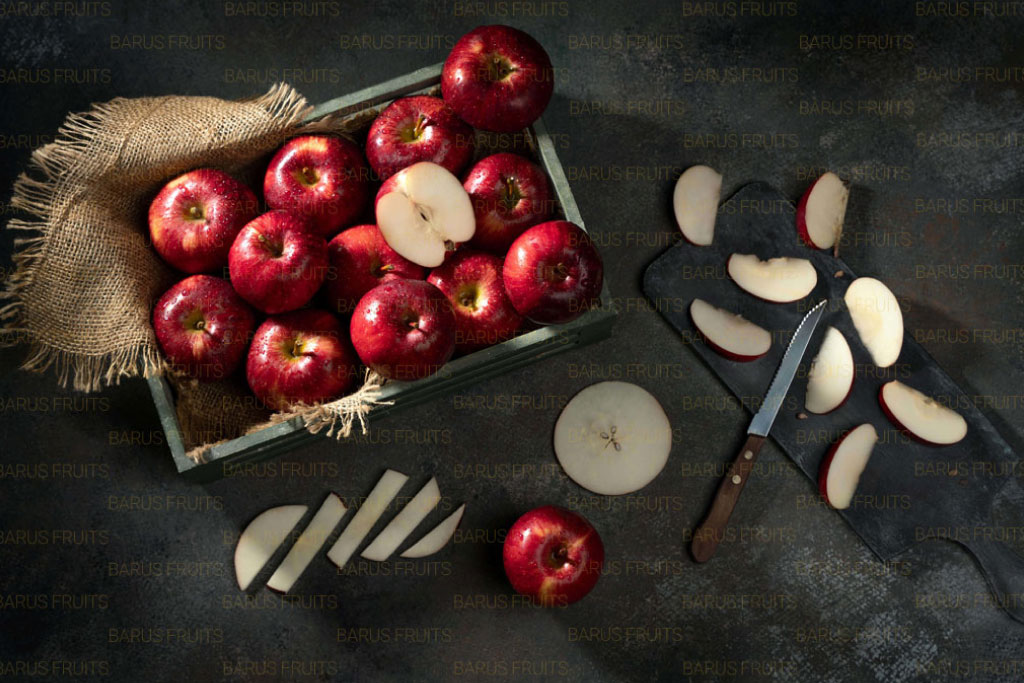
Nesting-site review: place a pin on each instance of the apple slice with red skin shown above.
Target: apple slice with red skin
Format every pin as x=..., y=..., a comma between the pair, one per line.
x=695, y=201
x=840, y=471
x=820, y=213
x=729, y=334
x=876, y=315
x=830, y=379
x=779, y=280
x=919, y=416
x=418, y=128
x=360, y=259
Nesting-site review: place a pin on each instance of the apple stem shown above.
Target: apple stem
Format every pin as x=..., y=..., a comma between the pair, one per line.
x=201, y=325
x=417, y=130
x=195, y=212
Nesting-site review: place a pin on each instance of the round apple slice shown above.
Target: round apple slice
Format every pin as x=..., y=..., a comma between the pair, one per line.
x=820, y=214
x=779, y=280
x=842, y=467
x=695, y=201
x=920, y=416
x=423, y=211
x=261, y=539
x=613, y=438
x=830, y=379
x=877, y=317
x=729, y=334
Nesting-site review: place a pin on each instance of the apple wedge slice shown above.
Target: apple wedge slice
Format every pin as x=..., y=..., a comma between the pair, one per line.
x=919, y=416
x=404, y=523
x=423, y=212
x=438, y=537
x=309, y=543
x=820, y=213
x=695, y=201
x=830, y=379
x=779, y=280
x=262, y=538
x=840, y=471
x=729, y=334
x=877, y=317
x=366, y=516
x=613, y=438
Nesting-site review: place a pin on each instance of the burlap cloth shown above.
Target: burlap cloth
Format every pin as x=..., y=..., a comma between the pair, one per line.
x=86, y=277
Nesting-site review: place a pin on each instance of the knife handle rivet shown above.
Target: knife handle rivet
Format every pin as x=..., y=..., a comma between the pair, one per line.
x=748, y=455
x=736, y=479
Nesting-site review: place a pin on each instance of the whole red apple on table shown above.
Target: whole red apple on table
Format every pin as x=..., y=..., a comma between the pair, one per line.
x=300, y=357
x=497, y=78
x=203, y=326
x=553, y=555
x=278, y=262
x=553, y=273
x=193, y=220
x=419, y=128
x=321, y=177
x=404, y=329
x=360, y=259
x=509, y=195
x=483, y=314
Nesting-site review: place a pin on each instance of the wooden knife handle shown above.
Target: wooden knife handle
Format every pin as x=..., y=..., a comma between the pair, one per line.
x=707, y=535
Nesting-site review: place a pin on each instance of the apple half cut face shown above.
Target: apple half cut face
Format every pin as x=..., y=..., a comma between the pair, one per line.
x=423, y=212
x=877, y=317
x=403, y=524
x=830, y=379
x=920, y=416
x=307, y=545
x=613, y=438
x=820, y=213
x=438, y=537
x=842, y=467
x=262, y=538
x=729, y=334
x=779, y=280
x=695, y=201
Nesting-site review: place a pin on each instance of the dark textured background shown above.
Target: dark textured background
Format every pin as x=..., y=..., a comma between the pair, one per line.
x=795, y=596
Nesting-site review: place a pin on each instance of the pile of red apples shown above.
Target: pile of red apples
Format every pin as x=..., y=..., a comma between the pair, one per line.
x=463, y=252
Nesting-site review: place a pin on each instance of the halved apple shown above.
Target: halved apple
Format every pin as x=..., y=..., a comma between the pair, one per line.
x=779, y=280
x=438, y=537
x=876, y=315
x=262, y=538
x=840, y=471
x=830, y=379
x=695, y=201
x=423, y=212
x=729, y=334
x=820, y=213
x=919, y=416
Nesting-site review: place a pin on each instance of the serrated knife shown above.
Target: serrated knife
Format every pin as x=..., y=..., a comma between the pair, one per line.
x=707, y=536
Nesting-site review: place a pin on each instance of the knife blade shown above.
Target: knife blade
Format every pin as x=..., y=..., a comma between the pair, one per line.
x=708, y=535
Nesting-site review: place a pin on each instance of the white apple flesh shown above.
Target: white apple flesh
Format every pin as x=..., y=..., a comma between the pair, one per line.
x=920, y=416
x=404, y=523
x=695, y=201
x=261, y=539
x=845, y=462
x=613, y=438
x=423, y=211
x=877, y=317
x=820, y=214
x=366, y=516
x=779, y=280
x=308, y=544
x=729, y=334
x=830, y=379
x=438, y=537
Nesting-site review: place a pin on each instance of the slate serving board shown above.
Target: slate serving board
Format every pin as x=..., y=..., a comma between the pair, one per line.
x=901, y=499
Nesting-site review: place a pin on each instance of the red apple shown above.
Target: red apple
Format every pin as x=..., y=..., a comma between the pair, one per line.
x=419, y=128
x=300, y=357
x=194, y=219
x=483, y=314
x=509, y=195
x=203, y=326
x=553, y=273
x=497, y=78
x=323, y=178
x=404, y=329
x=553, y=555
x=278, y=262
x=360, y=260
